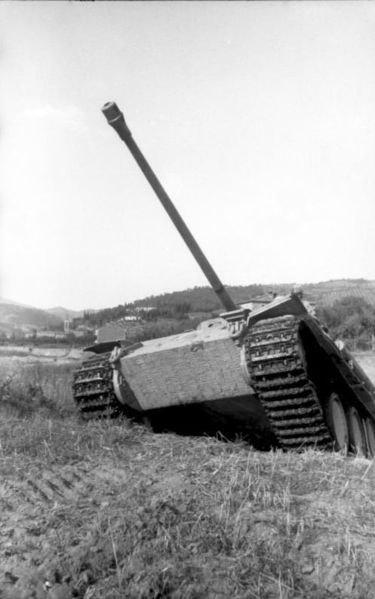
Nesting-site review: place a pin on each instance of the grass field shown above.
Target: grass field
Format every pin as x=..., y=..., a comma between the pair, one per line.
x=109, y=510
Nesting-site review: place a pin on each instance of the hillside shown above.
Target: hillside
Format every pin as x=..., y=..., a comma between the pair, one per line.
x=110, y=510
x=177, y=307
x=199, y=299
x=202, y=301
x=17, y=316
x=328, y=292
x=65, y=313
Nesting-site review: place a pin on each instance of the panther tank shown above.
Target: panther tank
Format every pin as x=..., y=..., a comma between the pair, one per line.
x=271, y=373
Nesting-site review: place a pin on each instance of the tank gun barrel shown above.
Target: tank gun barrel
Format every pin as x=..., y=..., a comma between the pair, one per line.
x=116, y=119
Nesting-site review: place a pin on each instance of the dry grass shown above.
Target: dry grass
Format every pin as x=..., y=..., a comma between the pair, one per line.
x=160, y=516
x=32, y=387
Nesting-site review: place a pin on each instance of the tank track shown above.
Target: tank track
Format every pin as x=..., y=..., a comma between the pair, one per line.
x=278, y=375
x=93, y=388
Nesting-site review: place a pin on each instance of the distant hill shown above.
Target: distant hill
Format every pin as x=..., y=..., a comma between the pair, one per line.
x=201, y=302
x=5, y=300
x=198, y=302
x=203, y=299
x=326, y=293
x=200, y=299
x=65, y=313
x=14, y=316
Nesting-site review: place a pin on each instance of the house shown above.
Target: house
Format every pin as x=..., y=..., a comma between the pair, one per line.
x=112, y=331
x=145, y=308
x=46, y=334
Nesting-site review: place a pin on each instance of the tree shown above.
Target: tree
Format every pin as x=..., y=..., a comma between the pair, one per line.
x=351, y=318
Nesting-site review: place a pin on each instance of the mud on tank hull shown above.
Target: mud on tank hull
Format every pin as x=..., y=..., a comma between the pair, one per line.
x=281, y=381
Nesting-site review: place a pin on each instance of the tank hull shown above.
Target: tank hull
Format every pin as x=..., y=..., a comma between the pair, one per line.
x=195, y=367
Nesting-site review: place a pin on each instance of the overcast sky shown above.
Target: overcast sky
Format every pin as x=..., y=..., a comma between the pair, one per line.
x=258, y=118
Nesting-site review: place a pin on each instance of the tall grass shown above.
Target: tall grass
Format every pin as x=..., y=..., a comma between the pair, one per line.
x=36, y=387
x=39, y=420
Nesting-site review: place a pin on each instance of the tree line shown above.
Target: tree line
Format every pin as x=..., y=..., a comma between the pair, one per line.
x=351, y=319
x=177, y=305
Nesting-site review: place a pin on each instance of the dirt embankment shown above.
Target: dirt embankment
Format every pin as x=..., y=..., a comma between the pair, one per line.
x=111, y=511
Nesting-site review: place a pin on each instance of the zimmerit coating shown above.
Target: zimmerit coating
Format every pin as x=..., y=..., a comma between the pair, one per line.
x=188, y=374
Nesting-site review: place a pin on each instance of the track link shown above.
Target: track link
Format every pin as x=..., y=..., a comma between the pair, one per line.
x=93, y=388
x=279, y=377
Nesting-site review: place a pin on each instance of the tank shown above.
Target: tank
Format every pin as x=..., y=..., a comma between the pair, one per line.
x=271, y=373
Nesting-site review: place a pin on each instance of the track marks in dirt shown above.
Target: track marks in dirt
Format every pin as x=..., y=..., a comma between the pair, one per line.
x=37, y=506
x=63, y=485
x=46, y=486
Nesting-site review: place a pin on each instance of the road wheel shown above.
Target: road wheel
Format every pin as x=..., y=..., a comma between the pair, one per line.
x=337, y=422
x=370, y=436
x=357, y=436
